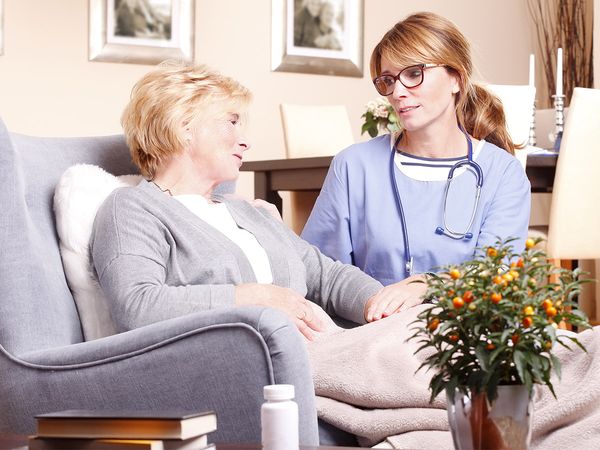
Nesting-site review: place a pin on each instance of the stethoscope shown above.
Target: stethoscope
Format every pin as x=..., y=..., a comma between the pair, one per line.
x=445, y=229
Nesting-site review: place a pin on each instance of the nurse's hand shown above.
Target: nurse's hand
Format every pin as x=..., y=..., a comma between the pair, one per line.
x=298, y=309
x=396, y=297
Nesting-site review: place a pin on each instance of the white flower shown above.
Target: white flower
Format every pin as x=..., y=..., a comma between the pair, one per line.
x=371, y=105
x=379, y=107
x=381, y=111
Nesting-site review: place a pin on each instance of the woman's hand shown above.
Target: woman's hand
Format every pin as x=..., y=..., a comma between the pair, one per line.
x=297, y=308
x=396, y=297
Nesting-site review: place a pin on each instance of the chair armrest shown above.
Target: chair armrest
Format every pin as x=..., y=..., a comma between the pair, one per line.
x=217, y=360
x=144, y=339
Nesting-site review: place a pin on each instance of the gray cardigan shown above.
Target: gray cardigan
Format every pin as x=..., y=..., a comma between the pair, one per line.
x=156, y=260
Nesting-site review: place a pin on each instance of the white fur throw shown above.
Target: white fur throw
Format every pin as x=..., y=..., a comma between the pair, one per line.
x=77, y=197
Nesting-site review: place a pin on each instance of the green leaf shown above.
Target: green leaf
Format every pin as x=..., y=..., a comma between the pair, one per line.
x=436, y=385
x=483, y=357
x=556, y=366
x=576, y=341
x=497, y=352
x=520, y=360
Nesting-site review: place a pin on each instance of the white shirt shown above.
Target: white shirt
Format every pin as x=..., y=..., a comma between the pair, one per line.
x=430, y=169
x=218, y=216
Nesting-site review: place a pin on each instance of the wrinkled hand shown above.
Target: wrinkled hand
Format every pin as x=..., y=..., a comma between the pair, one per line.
x=269, y=207
x=395, y=298
x=297, y=308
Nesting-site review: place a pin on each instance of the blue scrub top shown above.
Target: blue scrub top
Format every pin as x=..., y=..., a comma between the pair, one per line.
x=355, y=218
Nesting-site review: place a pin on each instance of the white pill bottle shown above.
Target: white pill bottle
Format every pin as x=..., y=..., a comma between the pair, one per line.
x=279, y=418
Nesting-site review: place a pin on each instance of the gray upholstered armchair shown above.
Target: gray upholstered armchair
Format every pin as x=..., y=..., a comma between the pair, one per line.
x=216, y=360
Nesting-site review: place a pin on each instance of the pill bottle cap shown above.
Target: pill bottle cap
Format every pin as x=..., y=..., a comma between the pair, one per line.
x=279, y=392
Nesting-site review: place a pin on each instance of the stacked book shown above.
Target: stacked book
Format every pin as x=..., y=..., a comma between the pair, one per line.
x=123, y=430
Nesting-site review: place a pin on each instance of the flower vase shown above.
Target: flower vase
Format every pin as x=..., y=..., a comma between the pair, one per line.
x=503, y=424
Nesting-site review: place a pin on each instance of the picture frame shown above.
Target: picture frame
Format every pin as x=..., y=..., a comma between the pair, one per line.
x=141, y=31
x=333, y=47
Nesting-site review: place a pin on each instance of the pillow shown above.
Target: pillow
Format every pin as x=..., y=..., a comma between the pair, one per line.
x=77, y=197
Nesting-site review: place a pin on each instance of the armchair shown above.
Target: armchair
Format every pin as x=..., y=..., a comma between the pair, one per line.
x=217, y=360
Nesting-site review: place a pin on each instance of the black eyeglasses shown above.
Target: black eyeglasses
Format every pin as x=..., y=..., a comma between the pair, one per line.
x=410, y=77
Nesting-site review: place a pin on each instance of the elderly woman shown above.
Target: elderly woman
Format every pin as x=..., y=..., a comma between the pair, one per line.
x=172, y=246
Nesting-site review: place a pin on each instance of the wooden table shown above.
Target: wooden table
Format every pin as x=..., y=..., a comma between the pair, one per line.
x=308, y=174
x=14, y=441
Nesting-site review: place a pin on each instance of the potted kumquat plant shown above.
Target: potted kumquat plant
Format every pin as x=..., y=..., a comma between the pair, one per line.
x=491, y=330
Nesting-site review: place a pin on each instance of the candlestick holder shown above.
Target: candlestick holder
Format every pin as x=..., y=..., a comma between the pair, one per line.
x=532, y=140
x=559, y=120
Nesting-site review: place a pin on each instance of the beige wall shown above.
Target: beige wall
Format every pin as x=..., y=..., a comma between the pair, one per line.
x=596, y=54
x=48, y=86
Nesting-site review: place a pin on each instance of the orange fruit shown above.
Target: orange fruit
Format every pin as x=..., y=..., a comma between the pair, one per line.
x=529, y=243
x=547, y=303
x=468, y=296
x=454, y=274
x=527, y=321
x=458, y=302
x=433, y=324
x=496, y=297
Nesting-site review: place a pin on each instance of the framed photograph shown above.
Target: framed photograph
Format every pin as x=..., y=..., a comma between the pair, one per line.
x=1, y=27
x=141, y=31
x=317, y=36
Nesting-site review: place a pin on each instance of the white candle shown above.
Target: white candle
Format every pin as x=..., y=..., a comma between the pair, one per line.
x=559, y=72
x=532, y=70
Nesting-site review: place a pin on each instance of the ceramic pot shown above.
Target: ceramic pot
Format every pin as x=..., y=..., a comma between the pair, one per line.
x=504, y=424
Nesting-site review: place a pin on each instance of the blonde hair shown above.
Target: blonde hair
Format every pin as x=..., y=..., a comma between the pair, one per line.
x=431, y=39
x=166, y=99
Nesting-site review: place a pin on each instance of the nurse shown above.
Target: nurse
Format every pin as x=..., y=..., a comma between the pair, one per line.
x=387, y=205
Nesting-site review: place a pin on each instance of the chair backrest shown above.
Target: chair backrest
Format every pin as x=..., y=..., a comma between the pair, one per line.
x=575, y=211
x=518, y=103
x=315, y=130
x=36, y=307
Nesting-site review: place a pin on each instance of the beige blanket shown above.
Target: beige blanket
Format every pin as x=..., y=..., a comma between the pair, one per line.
x=366, y=384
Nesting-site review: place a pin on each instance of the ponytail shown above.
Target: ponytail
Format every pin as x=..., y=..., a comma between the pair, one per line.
x=481, y=114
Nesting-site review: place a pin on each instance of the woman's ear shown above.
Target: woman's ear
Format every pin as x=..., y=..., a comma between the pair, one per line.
x=455, y=84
